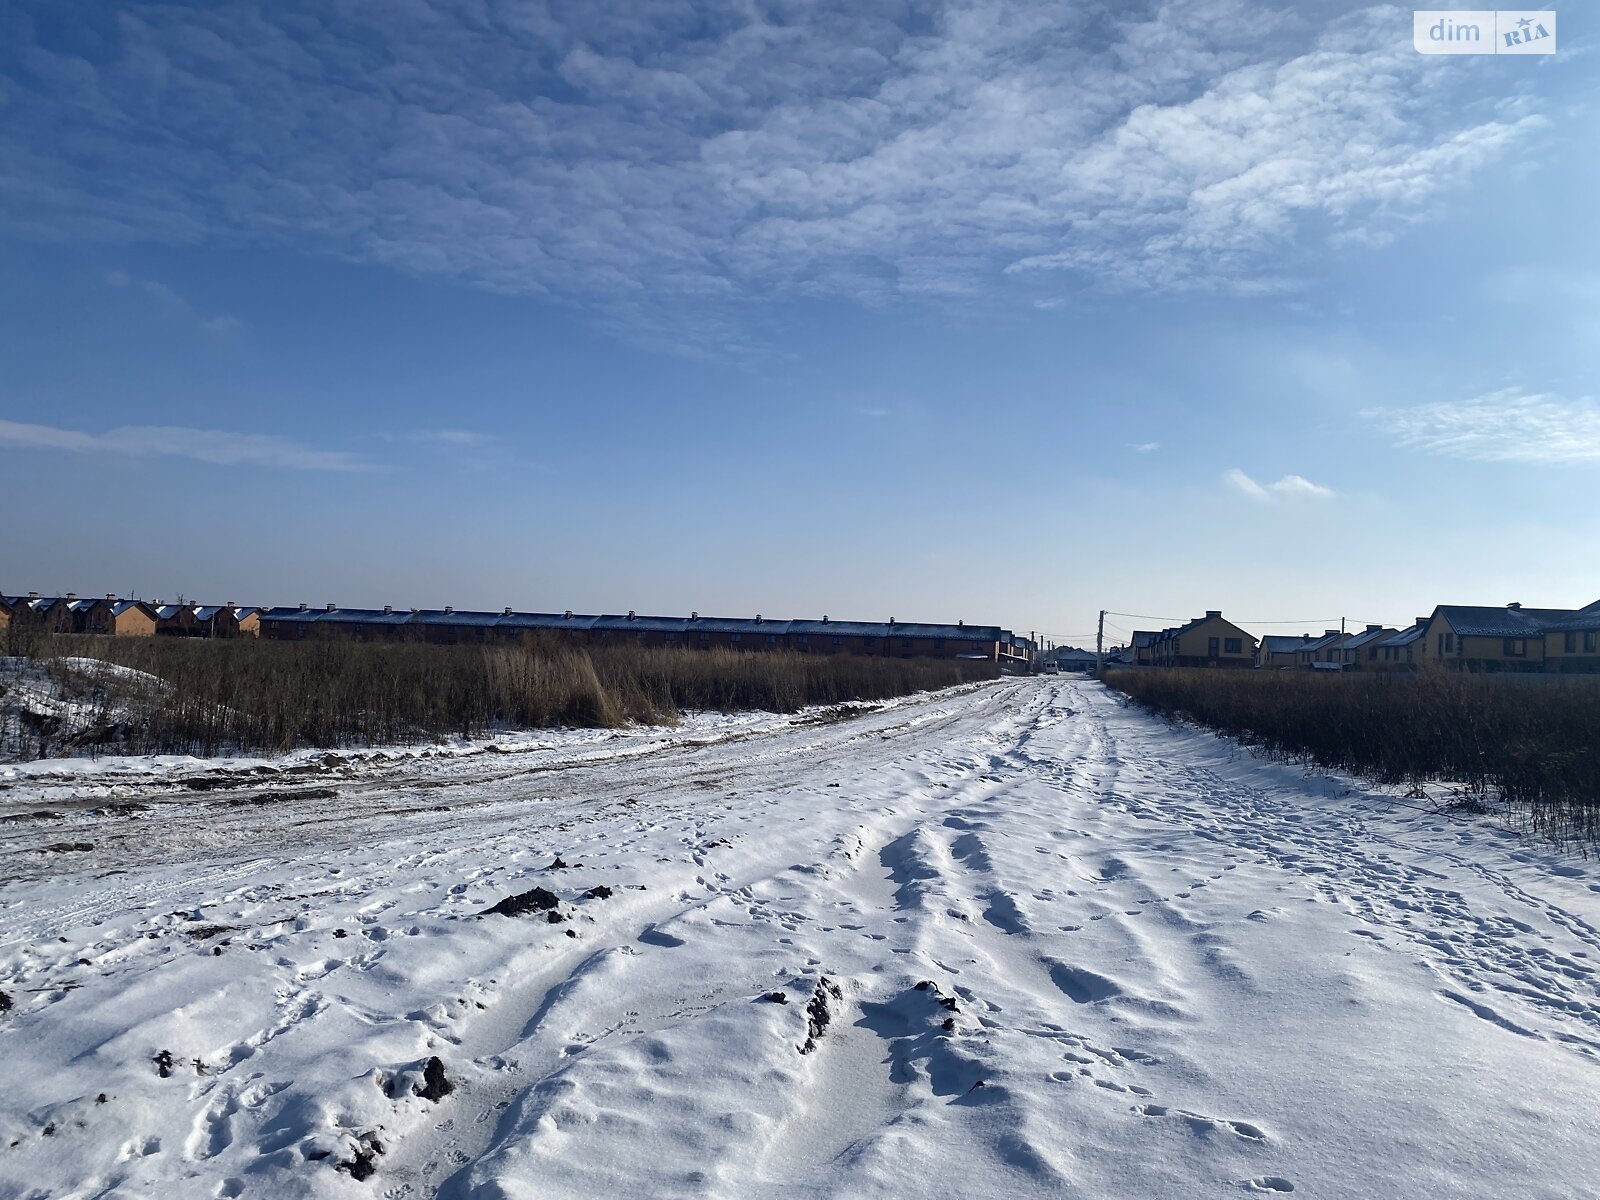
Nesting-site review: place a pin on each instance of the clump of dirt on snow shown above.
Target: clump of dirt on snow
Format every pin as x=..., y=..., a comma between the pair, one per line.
x=818, y=1013
x=538, y=900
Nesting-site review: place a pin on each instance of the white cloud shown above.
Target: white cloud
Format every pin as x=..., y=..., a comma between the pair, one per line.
x=1289, y=487
x=206, y=445
x=664, y=165
x=169, y=300
x=1145, y=447
x=1504, y=426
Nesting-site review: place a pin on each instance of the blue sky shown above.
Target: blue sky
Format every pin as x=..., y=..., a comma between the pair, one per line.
x=992, y=310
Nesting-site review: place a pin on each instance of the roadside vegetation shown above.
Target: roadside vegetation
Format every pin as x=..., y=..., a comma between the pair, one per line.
x=1531, y=746
x=193, y=696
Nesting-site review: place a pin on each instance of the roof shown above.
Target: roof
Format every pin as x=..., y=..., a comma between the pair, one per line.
x=439, y=616
x=1366, y=637
x=303, y=615
x=521, y=620
x=1284, y=643
x=1144, y=637
x=166, y=612
x=634, y=623
x=735, y=625
x=1317, y=643
x=1482, y=621
x=119, y=607
x=366, y=616
x=1406, y=636
x=1199, y=621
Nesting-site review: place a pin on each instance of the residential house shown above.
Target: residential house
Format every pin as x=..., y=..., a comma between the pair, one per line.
x=1572, y=643
x=1208, y=641
x=177, y=620
x=1359, y=651
x=228, y=620
x=1280, y=651
x=1401, y=651
x=47, y=614
x=1316, y=649
x=111, y=617
x=1142, y=648
x=1463, y=637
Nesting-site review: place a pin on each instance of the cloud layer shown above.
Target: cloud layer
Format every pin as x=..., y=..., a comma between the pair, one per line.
x=663, y=163
x=1505, y=426
x=1289, y=487
x=206, y=445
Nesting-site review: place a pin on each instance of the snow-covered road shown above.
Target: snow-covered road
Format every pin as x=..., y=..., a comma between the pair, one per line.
x=1040, y=944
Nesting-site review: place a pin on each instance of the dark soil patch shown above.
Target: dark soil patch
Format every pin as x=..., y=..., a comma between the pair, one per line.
x=280, y=797
x=819, y=1014
x=364, y=1163
x=434, y=1086
x=538, y=900
x=598, y=892
x=65, y=847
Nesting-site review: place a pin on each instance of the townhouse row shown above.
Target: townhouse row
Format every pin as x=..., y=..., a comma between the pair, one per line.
x=448, y=626
x=1455, y=637
x=114, y=617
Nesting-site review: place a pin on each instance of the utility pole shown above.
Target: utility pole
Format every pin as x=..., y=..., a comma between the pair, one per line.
x=1100, y=645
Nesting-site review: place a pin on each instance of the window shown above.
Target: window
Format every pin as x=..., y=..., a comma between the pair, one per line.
x=905, y=643
x=1516, y=647
x=1449, y=643
x=734, y=637
x=1233, y=646
x=838, y=641
x=938, y=643
x=1569, y=643
x=1211, y=647
x=801, y=639
x=772, y=639
x=1588, y=642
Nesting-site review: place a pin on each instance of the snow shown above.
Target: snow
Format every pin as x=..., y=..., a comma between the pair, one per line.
x=1168, y=969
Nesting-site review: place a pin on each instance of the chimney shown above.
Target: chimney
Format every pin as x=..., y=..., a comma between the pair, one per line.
x=1374, y=628
x=1420, y=621
x=388, y=610
x=824, y=618
x=1213, y=612
x=111, y=597
x=229, y=604
x=449, y=609
x=72, y=595
x=302, y=607
x=694, y=616
x=960, y=624
x=332, y=606
x=567, y=616
x=415, y=611
x=630, y=614
x=891, y=620
x=758, y=618
x=33, y=595
x=1515, y=604
x=507, y=612
x=1330, y=633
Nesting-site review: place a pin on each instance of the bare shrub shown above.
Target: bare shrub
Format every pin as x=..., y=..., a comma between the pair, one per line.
x=199, y=696
x=1533, y=744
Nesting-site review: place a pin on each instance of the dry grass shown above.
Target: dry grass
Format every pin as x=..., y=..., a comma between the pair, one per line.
x=219, y=696
x=1531, y=745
